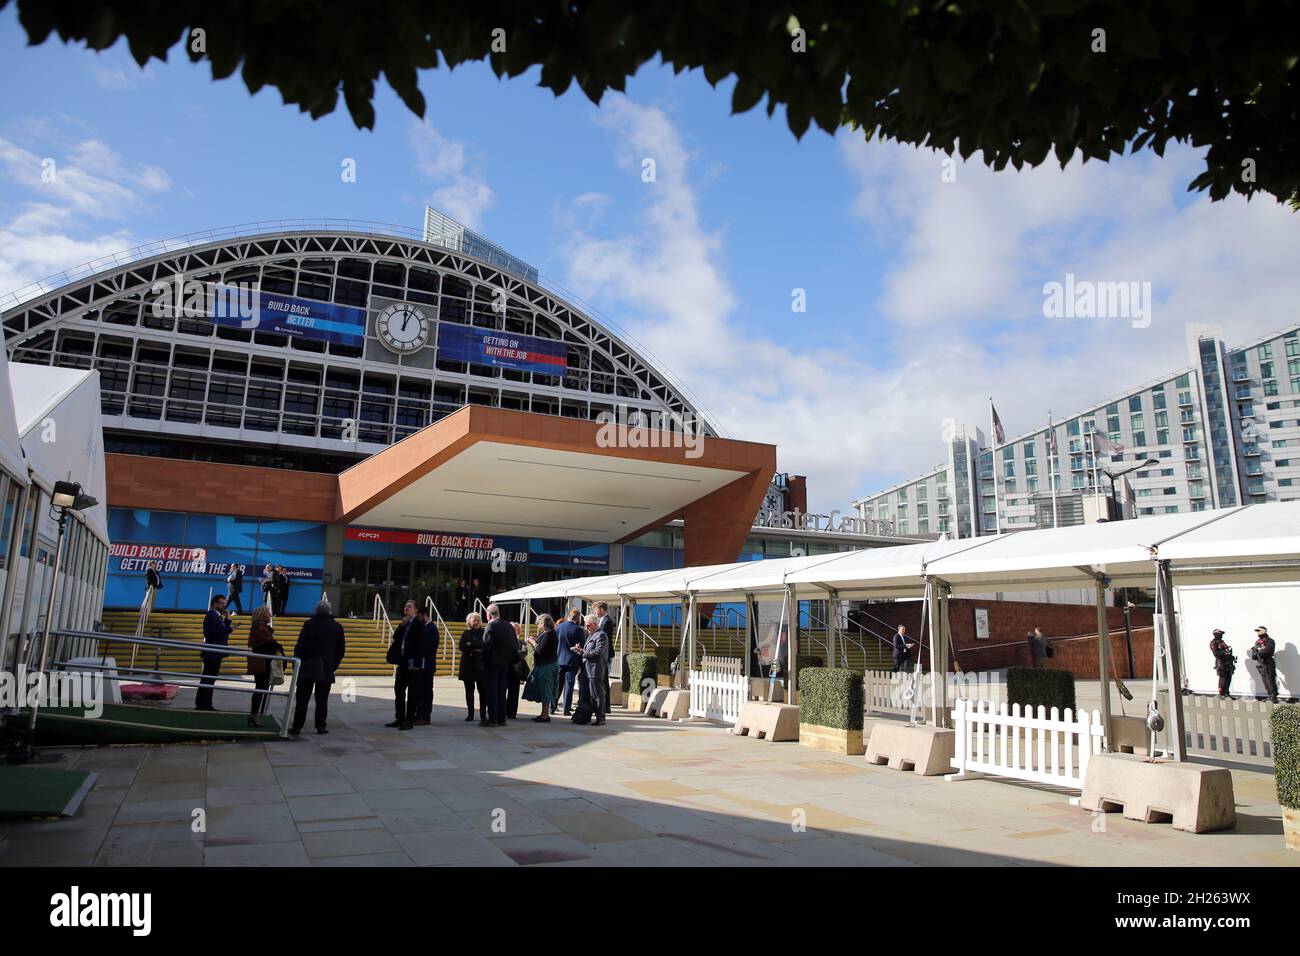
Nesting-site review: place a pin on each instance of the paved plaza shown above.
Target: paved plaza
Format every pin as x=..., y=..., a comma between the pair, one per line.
x=636, y=792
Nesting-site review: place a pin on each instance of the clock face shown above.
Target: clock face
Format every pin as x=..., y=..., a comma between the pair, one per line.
x=403, y=328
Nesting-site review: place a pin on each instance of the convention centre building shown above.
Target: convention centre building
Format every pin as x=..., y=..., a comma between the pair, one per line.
x=387, y=413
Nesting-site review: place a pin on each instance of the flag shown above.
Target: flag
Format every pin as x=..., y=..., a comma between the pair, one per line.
x=1051, y=436
x=1103, y=445
x=999, y=436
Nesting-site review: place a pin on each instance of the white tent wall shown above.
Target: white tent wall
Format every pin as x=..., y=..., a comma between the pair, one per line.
x=1238, y=609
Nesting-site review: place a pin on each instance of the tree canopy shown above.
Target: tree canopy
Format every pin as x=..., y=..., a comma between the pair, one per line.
x=1016, y=81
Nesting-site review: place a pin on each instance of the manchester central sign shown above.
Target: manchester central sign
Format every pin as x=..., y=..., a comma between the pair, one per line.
x=834, y=522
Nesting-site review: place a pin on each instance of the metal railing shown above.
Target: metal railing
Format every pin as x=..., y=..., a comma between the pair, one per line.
x=383, y=623
x=197, y=679
x=443, y=629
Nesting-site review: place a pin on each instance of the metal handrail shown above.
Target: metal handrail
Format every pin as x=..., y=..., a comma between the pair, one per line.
x=842, y=633
x=645, y=635
x=380, y=617
x=200, y=647
x=443, y=629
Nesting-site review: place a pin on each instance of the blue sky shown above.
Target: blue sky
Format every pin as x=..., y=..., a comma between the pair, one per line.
x=924, y=297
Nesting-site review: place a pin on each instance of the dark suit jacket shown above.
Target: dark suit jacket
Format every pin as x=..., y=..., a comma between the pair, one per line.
x=429, y=642
x=569, y=634
x=216, y=630
x=321, y=639
x=595, y=653
x=500, y=646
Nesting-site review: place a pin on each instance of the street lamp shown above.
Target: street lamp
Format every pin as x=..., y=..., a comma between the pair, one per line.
x=1112, y=475
x=66, y=497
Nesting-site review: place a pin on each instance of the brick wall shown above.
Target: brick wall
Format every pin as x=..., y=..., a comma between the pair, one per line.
x=1011, y=621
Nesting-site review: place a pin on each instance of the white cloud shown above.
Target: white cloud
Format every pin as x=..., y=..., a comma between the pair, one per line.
x=462, y=192
x=117, y=79
x=64, y=196
x=960, y=312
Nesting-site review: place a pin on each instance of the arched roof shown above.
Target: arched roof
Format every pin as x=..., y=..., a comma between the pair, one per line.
x=77, y=293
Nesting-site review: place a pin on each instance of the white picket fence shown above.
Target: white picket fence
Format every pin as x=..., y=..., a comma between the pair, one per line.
x=719, y=689
x=1228, y=729
x=886, y=692
x=1043, y=747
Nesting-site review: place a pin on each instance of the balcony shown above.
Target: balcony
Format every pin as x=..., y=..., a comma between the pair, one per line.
x=1250, y=451
x=1240, y=375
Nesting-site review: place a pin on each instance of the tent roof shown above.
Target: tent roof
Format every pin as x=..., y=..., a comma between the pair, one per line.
x=1257, y=543
x=11, y=448
x=879, y=572
x=1228, y=545
x=1064, y=557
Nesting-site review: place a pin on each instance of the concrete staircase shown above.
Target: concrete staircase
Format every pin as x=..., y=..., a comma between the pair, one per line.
x=366, y=643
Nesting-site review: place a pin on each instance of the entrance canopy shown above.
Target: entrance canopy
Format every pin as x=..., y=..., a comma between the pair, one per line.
x=1250, y=543
x=500, y=472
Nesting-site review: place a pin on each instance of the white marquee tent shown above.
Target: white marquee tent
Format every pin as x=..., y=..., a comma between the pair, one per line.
x=1255, y=544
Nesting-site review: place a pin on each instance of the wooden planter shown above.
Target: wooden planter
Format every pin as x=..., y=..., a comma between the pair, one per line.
x=1291, y=828
x=636, y=702
x=837, y=741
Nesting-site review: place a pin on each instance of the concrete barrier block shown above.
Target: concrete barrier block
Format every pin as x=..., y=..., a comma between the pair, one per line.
x=1192, y=797
x=616, y=692
x=655, y=702
x=766, y=721
x=924, y=750
x=677, y=705
x=1129, y=735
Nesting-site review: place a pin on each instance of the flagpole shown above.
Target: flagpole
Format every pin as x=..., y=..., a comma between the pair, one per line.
x=1096, y=480
x=993, y=436
x=1051, y=465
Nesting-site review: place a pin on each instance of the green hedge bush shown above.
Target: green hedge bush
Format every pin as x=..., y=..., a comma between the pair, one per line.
x=637, y=669
x=831, y=697
x=1030, y=687
x=1284, y=726
x=665, y=654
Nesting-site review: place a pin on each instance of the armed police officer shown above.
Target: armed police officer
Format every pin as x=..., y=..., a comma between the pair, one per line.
x=1225, y=662
x=1261, y=652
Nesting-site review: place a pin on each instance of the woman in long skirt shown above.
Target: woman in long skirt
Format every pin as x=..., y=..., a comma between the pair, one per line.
x=541, y=679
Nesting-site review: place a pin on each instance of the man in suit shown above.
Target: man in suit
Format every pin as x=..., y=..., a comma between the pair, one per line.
x=320, y=648
x=281, y=588
x=609, y=629
x=595, y=658
x=429, y=641
x=570, y=634
x=152, y=579
x=406, y=654
x=216, y=630
x=902, y=648
x=500, y=647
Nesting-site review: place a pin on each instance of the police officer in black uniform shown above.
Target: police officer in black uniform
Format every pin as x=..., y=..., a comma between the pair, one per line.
x=1262, y=654
x=1225, y=662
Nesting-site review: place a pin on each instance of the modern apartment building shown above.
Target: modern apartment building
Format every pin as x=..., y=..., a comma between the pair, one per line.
x=1221, y=431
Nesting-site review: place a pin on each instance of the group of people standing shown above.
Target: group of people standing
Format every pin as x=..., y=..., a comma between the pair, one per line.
x=576, y=653
x=275, y=587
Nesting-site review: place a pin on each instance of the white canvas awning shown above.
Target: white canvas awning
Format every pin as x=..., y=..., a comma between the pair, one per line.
x=756, y=577
x=1057, y=558
x=880, y=572
x=1257, y=544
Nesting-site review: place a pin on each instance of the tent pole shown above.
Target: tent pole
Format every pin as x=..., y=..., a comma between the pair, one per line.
x=832, y=626
x=792, y=647
x=1173, y=660
x=1103, y=659
x=942, y=635
x=935, y=628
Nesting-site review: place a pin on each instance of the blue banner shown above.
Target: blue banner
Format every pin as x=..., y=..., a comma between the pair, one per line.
x=523, y=353
x=287, y=315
